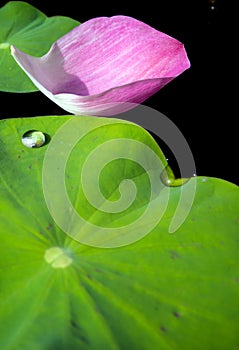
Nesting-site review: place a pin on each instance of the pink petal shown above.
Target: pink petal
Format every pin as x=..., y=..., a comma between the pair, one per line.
x=105, y=61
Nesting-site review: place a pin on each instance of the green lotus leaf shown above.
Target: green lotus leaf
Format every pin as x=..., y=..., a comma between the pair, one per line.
x=30, y=30
x=163, y=291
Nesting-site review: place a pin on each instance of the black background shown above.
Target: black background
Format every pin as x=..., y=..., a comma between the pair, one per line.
x=199, y=101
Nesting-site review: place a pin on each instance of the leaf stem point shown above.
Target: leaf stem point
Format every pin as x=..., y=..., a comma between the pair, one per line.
x=57, y=257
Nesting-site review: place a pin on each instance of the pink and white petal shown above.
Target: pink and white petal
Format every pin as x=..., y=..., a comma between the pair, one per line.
x=110, y=102
x=106, y=52
x=46, y=72
x=103, y=61
x=42, y=71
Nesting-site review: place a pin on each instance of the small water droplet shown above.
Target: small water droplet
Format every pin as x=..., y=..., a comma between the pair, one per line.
x=33, y=139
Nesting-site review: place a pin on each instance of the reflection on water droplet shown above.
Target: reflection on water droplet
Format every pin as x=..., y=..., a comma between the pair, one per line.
x=168, y=179
x=33, y=139
x=57, y=257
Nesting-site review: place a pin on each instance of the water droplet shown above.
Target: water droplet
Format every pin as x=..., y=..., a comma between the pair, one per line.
x=168, y=179
x=33, y=139
x=57, y=257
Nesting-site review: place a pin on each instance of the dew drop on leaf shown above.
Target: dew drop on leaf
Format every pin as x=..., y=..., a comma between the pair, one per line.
x=168, y=179
x=33, y=139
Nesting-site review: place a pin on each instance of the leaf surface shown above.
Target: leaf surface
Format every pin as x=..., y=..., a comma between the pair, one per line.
x=164, y=291
x=29, y=29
